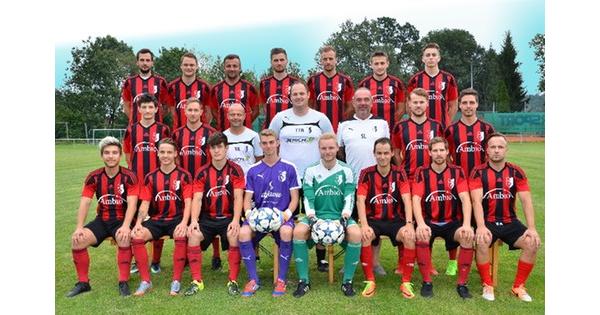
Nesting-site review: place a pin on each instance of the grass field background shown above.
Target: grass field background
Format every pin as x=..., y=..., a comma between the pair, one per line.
x=74, y=161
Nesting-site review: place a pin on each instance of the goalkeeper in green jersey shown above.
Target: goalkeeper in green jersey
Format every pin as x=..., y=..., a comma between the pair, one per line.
x=328, y=194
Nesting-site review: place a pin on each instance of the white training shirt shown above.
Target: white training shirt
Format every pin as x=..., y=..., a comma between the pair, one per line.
x=243, y=148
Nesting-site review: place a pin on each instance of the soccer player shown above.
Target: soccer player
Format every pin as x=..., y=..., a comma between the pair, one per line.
x=328, y=194
x=146, y=81
x=233, y=89
x=389, y=99
x=274, y=90
x=186, y=86
x=139, y=144
x=244, y=143
x=495, y=185
x=116, y=189
x=384, y=208
x=442, y=208
x=217, y=206
x=166, y=197
x=440, y=85
x=331, y=91
x=273, y=183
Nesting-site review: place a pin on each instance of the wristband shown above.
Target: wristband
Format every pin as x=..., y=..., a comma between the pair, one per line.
x=288, y=213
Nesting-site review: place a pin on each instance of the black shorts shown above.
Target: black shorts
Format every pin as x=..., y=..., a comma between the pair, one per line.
x=159, y=229
x=103, y=229
x=210, y=228
x=389, y=228
x=509, y=233
x=446, y=232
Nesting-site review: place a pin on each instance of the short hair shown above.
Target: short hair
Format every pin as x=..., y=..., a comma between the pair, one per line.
x=217, y=138
x=436, y=140
x=106, y=141
x=194, y=100
x=147, y=98
x=419, y=92
x=328, y=136
x=188, y=55
x=468, y=91
x=379, y=53
x=382, y=140
x=299, y=82
x=278, y=50
x=268, y=133
x=327, y=48
x=231, y=56
x=431, y=45
x=493, y=135
x=167, y=141
x=144, y=51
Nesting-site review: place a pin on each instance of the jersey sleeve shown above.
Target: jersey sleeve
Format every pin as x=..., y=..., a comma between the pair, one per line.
x=250, y=180
x=349, y=190
x=400, y=95
x=258, y=151
x=237, y=177
x=311, y=89
x=213, y=98
x=396, y=138
x=404, y=182
x=253, y=97
x=475, y=179
x=412, y=84
x=276, y=123
x=340, y=138
x=386, y=128
x=293, y=178
x=262, y=98
x=127, y=140
x=199, y=182
x=363, y=183
x=146, y=190
x=126, y=92
x=418, y=186
x=452, y=93
x=325, y=124
x=133, y=187
x=309, y=192
x=165, y=97
x=348, y=91
x=89, y=186
x=462, y=184
x=186, y=185
x=521, y=180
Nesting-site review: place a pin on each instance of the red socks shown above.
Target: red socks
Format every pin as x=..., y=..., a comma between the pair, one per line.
x=523, y=271
x=400, y=251
x=179, y=256
x=424, y=260
x=141, y=258
x=452, y=254
x=216, y=248
x=409, y=263
x=157, y=247
x=194, y=256
x=82, y=264
x=124, y=262
x=484, y=273
x=234, y=262
x=465, y=257
x=366, y=260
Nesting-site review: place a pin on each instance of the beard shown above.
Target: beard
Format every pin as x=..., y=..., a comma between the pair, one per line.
x=142, y=71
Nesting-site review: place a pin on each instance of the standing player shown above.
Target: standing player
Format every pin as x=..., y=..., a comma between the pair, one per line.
x=440, y=85
x=331, y=91
x=494, y=188
x=166, y=197
x=388, y=91
x=384, y=208
x=328, y=194
x=440, y=202
x=116, y=189
x=186, y=86
x=244, y=143
x=217, y=207
x=275, y=89
x=140, y=149
x=233, y=89
x=272, y=183
x=144, y=82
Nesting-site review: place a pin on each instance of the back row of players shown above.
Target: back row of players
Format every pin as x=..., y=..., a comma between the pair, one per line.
x=384, y=202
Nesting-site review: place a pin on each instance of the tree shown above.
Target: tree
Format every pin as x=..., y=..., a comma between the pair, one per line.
x=167, y=63
x=538, y=43
x=509, y=72
x=486, y=81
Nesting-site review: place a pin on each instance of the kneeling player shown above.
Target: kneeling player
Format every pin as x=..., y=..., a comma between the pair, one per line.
x=166, y=196
x=328, y=194
x=384, y=208
x=440, y=201
x=271, y=183
x=116, y=189
x=218, y=198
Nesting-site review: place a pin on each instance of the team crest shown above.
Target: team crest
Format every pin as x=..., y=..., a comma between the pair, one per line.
x=156, y=137
x=226, y=180
x=451, y=183
x=242, y=94
x=481, y=136
x=339, y=179
x=203, y=141
x=390, y=90
x=510, y=182
x=393, y=188
x=121, y=189
x=155, y=89
x=431, y=134
x=443, y=86
x=198, y=94
x=282, y=176
x=339, y=87
x=177, y=184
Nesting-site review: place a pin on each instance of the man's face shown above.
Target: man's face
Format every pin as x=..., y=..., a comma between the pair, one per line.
x=232, y=68
x=269, y=145
x=189, y=66
x=431, y=57
x=496, y=149
x=147, y=110
x=166, y=154
x=236, y=115
x=362, y=102
x=379, y=64
x=328, y=61
x=383, y=154
x=193, y=112
x=218, y=152
x=145, y=63
x=299, y=95
x=468, y=105
x=328, y=149
x=438, y=153
x=111, y=155
x=279, y=62
x=417, y=105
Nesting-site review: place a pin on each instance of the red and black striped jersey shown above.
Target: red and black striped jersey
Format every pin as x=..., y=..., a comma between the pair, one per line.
x=412, y=139
x=134, y=86
x=140, y=142
x=500, y=190
x=330, y=95
x=383, y=193
x=111, y=192
x=223, y=95
x=465, y=143
x=217, y=187
x=193, y=147
x=387, y=94
x=275, y=95
x=439, y=192
x=180, y=92
x=442, y=88
x=167, y=193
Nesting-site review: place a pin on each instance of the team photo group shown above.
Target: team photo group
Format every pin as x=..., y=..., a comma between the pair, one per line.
x=331, y=164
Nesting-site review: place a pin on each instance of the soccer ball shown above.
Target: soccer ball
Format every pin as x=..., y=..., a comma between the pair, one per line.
x=265, y=220
x=327, y=232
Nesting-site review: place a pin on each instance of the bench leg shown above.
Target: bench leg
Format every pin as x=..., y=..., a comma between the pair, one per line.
x=275, y=262
x=330, y=260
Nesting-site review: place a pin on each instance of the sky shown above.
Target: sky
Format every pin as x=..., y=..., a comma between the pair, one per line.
x=302, y=31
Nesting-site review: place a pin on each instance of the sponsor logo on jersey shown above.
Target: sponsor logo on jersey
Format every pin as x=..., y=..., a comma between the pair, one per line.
x=328, y=190
x=278, y=99
x=166, y=195
x=144, y=146
x=383, y=199
x=440, y=195
x=181, y=104
x=218, y=191
x=498, y=193
x=469, y=147
x=191, y=150
x=225, y=103
x=328, y=96
x=433, y=96
x=418, y=144
x=111, y=200
x=269, y=193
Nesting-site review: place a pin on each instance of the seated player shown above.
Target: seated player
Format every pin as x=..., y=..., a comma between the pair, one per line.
x=272, y=183
x=166, y=197
x=384, y=208
x=328, y=194
x=217, y=204
x=442, y=208
x=116, y=189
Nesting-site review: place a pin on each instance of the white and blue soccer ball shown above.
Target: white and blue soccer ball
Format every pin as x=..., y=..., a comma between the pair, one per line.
x=328, y=232
x=265, y=220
